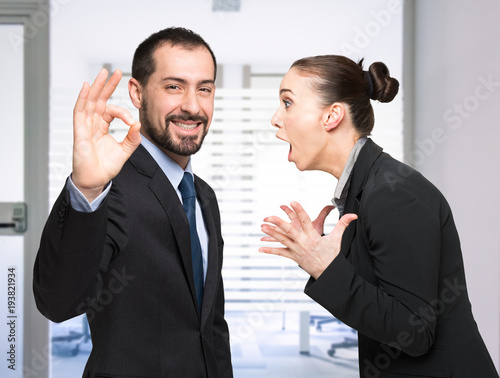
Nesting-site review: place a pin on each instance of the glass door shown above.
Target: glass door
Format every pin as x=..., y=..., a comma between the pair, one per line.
x=12, y=208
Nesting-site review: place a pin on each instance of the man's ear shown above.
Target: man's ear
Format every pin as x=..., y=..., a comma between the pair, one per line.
x=135, y=92
x=334, y=115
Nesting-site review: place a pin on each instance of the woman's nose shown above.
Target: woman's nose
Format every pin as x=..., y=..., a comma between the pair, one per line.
x=276, y=120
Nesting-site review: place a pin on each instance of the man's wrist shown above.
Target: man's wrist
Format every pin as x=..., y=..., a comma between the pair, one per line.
x=80, y=202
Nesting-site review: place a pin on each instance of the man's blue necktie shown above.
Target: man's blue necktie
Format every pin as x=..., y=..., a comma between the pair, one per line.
x=189, y=201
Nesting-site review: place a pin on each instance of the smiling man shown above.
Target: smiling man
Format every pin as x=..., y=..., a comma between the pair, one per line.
x=134, y=210
x=176, y=102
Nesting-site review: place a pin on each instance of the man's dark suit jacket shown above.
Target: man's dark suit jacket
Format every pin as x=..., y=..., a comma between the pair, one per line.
x=128, y=266
x=399, y=278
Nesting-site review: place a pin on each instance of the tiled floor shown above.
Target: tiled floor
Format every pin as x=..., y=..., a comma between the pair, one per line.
x=272, y=350
x=265, y=346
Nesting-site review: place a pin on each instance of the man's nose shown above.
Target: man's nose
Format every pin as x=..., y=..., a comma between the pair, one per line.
x=190, y=103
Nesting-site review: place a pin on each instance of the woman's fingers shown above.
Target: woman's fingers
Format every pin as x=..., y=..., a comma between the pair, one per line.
x=319, y=222
x=343, y=223
x=285, y=227
x=304, y=219
x=268, y=239
x=284, y=232
x=324, y=213
x=284, y=252
x=289, y=212
x=303, y=243
x=277, y=233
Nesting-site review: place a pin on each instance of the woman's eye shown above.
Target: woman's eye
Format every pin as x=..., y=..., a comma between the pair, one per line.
x=287, y=103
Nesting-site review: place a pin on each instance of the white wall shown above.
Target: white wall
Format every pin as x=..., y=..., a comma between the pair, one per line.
x=275, y=32
x=456, y=53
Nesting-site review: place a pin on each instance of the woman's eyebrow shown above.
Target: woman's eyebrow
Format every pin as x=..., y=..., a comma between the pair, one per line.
x=282, y=90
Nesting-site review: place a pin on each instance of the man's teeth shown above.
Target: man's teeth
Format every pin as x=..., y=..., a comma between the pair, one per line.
x=184, y=126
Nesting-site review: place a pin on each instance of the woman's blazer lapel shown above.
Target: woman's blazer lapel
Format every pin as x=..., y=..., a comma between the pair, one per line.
x=366, y=158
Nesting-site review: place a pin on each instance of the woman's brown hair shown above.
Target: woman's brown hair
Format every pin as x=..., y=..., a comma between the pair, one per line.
x=339, y=79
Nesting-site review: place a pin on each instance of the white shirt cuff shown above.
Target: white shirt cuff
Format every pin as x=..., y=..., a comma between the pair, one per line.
x=80, y=203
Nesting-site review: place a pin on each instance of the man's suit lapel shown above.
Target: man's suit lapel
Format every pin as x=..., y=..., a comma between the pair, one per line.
x=366, y=158
x=169, y=200
x=210, y=290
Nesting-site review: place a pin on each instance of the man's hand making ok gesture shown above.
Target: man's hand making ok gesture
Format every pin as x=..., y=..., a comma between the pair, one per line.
x=97, y=156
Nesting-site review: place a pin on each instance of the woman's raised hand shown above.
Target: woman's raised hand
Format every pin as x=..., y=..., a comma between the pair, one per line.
x=302, y=238
x=97, y=156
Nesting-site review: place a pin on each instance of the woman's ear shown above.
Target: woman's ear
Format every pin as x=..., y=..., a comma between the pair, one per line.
x=135, y=92
x=334, y=115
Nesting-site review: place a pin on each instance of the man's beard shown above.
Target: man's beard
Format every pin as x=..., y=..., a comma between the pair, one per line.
x=185, y=145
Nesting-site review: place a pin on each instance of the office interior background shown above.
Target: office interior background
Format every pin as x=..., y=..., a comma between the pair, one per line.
x=443, y=122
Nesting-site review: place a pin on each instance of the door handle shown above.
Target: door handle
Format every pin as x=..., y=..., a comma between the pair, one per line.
x=7, y=225
x=13, y=218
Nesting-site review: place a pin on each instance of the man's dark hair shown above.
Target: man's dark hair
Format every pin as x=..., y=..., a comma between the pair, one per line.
x=144, y=65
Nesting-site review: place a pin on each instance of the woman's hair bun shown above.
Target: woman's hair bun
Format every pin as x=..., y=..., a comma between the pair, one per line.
x=385, y=87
